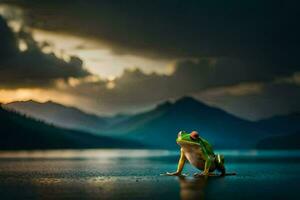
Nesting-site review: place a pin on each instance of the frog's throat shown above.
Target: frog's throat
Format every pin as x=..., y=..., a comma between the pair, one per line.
x=186, y=142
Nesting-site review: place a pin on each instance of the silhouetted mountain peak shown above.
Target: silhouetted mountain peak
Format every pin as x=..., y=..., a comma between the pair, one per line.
x=47, y=104
x=22, y=132
x=164, y=105
x=59, y=115
x=185, y=103
x=53, y=103
x=187, y=100
x=190, y=103
x=50, y=102
x=29, y=101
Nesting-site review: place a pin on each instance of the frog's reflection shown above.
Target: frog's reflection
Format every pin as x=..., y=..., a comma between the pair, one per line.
x=192, y=188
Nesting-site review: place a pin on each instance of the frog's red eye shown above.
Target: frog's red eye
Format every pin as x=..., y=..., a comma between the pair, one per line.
x=194, y=135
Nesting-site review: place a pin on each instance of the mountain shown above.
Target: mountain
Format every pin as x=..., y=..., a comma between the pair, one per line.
x=282, y=124
x=60, y=115
x=290, y=141
x=161, y=125
x=20, y=132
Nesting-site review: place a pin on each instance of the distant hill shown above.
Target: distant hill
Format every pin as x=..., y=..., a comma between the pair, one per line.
x=282, y=124
x=20, y=132
x=290, y=141
x=60, y=115
x=161, y=125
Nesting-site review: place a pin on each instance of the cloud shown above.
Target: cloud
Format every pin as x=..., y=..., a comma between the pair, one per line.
x=31, y=67
x=249, y=51
x=174, y=28
x=252, y=40
x=135, y=90
x=234, y=90
x=261, y=100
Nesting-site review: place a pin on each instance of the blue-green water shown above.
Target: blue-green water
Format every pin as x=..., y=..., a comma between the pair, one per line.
x=135, y=174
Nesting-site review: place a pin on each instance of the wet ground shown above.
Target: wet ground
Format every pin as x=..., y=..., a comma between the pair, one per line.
x=135, y=174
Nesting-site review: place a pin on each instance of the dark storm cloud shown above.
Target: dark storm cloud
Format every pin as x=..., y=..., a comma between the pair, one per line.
x=135, y=90
x=259, y=37
x=218, y=43
x=190, y=76
x=31, y=68
x=175, y=27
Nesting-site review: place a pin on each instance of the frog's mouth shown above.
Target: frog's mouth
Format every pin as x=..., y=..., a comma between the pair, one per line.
x=184, y=142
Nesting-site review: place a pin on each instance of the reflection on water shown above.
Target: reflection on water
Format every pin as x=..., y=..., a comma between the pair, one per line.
x=136, y=153
x=192, y=188
x=135, y=174
x=87, y=154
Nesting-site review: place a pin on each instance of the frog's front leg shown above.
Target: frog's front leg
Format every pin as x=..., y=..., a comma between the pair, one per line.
x=180, y=166
x=208, y=163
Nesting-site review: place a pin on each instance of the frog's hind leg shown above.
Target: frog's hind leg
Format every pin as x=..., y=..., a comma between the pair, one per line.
x=196, y=175
x=222, y=170
x=220, y=164
x=209, y=167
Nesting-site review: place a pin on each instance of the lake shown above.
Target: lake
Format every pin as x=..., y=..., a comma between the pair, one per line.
x=135, y=174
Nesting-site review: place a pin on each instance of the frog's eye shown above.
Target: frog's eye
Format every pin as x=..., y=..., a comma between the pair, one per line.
x=194, y=135
x=180, y=134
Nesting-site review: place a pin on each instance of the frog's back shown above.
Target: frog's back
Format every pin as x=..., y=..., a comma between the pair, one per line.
x=208, y=147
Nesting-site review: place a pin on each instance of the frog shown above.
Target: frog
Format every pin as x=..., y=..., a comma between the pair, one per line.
x=199, y=153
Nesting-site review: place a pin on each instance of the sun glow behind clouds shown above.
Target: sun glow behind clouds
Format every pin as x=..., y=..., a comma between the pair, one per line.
x=23, y=94
x=98, y=57
x=43, y=95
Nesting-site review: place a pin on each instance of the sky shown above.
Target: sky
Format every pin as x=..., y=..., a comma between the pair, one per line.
x=108, y=57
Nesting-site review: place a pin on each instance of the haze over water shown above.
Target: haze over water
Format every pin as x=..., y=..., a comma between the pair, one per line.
x=135, y=174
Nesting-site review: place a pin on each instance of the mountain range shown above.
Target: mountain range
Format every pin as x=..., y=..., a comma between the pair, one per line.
x=288, y=141
x=159, y=127
x=281, y=124
x=20, y=132
x=59, y=115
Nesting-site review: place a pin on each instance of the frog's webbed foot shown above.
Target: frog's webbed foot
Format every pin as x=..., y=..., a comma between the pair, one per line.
x=173, y=174
x=203, y=174
x=196, y=175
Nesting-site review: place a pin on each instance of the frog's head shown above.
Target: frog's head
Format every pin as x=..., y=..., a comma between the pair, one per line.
x=185, y=138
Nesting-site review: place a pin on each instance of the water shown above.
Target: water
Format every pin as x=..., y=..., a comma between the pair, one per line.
x=135, y=174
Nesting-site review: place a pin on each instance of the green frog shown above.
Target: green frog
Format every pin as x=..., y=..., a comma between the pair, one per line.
x=199, y=153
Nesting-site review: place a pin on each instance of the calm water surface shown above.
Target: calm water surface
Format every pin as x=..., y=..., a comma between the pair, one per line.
x=135, y=174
